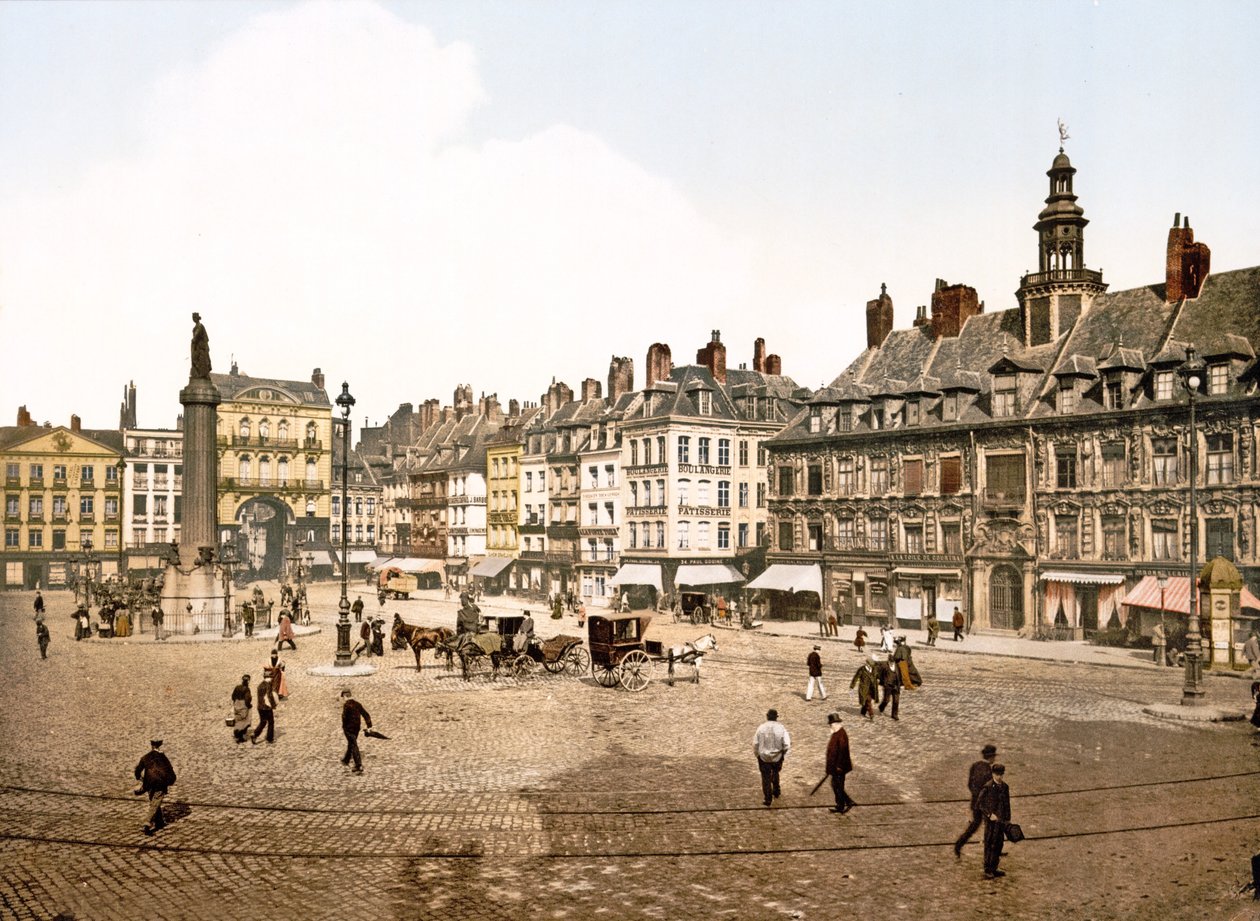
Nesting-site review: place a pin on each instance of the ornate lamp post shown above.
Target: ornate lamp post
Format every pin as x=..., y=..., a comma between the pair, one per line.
x=227, y=556
x=346, y=402
x=88, y=562
x=1162, y=580
x=1192, y=694
x=122, y=470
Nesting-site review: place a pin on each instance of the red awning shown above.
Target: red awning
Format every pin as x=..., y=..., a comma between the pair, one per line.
x=1176, y=596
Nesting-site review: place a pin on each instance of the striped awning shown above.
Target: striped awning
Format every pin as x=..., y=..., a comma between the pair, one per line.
x=491, y=566
x=1176, y=596
x=416, y=564
x=1085, y=578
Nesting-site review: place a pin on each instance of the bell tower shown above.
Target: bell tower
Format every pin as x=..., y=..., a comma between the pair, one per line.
x=1052, y=298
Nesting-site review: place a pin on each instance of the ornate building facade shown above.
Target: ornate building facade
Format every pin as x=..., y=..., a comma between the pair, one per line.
x=1031, y=465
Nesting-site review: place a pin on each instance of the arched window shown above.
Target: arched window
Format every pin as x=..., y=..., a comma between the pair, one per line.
x=245, y=429
x=1006, y=598
x=264, y=428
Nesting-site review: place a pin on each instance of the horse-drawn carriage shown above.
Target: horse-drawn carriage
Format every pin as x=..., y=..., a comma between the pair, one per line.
x=622, y=654
x=563, y=653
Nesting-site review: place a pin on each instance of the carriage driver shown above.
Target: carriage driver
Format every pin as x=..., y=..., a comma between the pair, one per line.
x=468, y=619
x=525, y=633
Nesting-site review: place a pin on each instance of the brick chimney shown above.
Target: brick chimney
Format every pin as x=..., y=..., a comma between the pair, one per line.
x=591, y=389
x=659, y=363
x=713, y=356
x=317, y=378
x=774, y=365
x=620, y=377
x=76, y=424
x=759, y=355
x=24, y=418
x=920, y=315
x=1187, y=264
x=879, y=318
x=952, y=306
x=514, y=408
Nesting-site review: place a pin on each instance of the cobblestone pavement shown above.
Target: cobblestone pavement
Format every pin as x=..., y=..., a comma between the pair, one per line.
x=558, y=798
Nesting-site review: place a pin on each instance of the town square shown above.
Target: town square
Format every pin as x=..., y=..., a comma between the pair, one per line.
x=629, y=460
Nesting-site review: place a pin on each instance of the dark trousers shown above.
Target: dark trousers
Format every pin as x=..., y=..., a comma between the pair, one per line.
x=843, y=802
x=891, y=693
x=43, y=648
x=958, y=634
x=280, y=645
x=976, y=819
x=769, y=778
x=249, y=628
x=266, y=720
x=352, y=750
x=994, y=836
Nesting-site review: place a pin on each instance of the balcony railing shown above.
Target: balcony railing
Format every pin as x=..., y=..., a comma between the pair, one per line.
x=140, y=482
x=1004, y=498
x=37, y=482
x=1061, y=275
x=237, y=483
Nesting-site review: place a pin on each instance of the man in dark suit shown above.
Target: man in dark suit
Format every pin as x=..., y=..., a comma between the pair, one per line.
x=981, y=773
x=839, y=762
x=155, y=774
x=890, y=680
x=353, y=716
x=995, y=805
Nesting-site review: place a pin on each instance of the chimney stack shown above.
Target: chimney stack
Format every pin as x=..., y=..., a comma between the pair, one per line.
x=620, y=377
x=514, y=408
x=659, y=363
x=713, y=356
x=759, y=355
x=24, y=418
x=76, y=424
x=774, y=365
x=920, y=315
x=1187, y=263
x=591, y=389
x=317, y=377
x=952, y=307
x=879, y=318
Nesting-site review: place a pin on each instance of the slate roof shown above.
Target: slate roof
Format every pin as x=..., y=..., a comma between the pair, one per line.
x=230, y=386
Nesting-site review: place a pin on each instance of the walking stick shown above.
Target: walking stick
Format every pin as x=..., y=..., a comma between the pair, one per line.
x=818, y=785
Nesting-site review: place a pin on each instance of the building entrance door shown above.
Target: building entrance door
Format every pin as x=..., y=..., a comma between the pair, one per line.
x=1006, y=599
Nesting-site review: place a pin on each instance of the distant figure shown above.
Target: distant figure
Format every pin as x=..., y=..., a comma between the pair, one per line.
x=274, y=672
x=814, y=663
x=839, y=762
x=353, y=716
x=266, y=711
x=771, y=744
x=155, y=775
x=933, y=628
x=357, y=608
x=890, y=680
x=866, y=680
x=39, y=607
x=247, y=617
x=625, y=602
x=41, y=636
x=285, y=633
x=242, y=703
x=995, y=804
x=524, y=633
x=1251, y=650
x=957, y=622
x=157, y=617
x=1159, y=643
x=200, y=350
x=886, y=640
x=859, y=639
x=980, y=774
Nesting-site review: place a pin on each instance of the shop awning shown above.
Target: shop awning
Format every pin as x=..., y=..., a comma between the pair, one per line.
x=1176, y=596
x=638, y=574
x=322, y=558
x=927, y=571
x=707, y=574
x=361, y=556
x=415, y=564
x=491, y=566
x=1088, y=578
x=787, y=577
x=381, y=562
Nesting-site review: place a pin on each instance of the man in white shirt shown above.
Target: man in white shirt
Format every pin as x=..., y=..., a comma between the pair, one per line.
x=771, y=744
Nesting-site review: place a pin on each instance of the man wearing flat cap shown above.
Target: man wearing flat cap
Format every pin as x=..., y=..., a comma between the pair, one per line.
x=981, y=773
x=839, y=762
x=155, y=774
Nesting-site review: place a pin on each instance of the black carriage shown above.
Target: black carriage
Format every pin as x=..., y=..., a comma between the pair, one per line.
x=618, y=655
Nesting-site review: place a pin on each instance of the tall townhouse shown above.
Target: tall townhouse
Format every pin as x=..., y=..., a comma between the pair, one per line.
x=152, y=491
x=503, y=502
x=693, y=471
x=62, y=503
x=275, y=469
x=1031, y=465
x=572, y=424
x=362, y=514
x=530, y=574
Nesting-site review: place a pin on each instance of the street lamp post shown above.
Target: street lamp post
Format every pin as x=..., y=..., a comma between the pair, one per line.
x=1162, y=579
x=87, y=569
x=227, y=556
x=346, y=402
x=1193, y=692
x=122, y=470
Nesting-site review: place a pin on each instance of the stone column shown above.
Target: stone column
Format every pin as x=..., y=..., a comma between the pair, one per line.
x=199, y=527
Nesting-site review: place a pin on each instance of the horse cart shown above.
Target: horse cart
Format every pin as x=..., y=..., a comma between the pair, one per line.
x=621, y=654
x=559, y=654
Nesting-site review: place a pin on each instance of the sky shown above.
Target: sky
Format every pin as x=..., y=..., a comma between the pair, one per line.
x=417, y=195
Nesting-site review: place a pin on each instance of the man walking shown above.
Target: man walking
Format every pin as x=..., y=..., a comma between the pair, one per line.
x=814, y=662
x=242, y=703
x=995, y=805
x=980, y=774
x=933, y=628
x=157, y=617
x=284, y=633
x=958, y=625
x=353, y=716
x=866, y=680
x=155, y=775
x=266, y=710
x=357, y=608
x=771, y=744
x=890, y=681
x=1251, y=650
x=41, y=636
x=39, y=607
x=839, y=762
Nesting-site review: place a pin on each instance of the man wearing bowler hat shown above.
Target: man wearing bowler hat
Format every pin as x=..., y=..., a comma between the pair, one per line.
x=839, y=762
x=981, y=773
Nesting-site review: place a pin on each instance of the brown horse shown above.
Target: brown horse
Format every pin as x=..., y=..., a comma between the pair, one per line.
x=420, y=638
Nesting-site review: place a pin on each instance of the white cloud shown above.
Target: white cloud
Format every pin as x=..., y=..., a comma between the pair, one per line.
x=308, y=188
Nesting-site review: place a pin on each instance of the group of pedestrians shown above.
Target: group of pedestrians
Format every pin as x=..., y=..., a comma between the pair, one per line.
x=990, y=805
x=272, y=689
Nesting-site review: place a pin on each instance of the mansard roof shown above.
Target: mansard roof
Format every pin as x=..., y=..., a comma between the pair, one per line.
x=232, y=386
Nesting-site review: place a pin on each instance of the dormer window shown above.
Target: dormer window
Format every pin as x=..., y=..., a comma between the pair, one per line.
x=1164, y=385
x=1067, y=398
x=1003, y=394
x=912, y=412
x=1113, y=392
x=877, y=418
x=815, y=419
x=949, y=407
x=706, y=403
x=844, y=419
x=1218, y=378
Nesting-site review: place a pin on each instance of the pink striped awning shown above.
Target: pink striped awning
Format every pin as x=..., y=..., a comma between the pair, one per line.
x=1176, y=595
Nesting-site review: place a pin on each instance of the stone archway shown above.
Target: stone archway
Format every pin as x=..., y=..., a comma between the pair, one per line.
x=261, y=542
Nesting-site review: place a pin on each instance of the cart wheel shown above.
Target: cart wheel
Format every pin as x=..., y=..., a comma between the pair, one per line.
x=605, y=675
x=522, y=667
x=477, y=667
x=576, y=661
x=636, y=670
x=555, y=666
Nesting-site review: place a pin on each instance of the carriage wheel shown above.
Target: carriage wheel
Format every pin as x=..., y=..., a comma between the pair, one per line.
x=605, y=675
x=522, y=667
x=636, y=670
x=555, y=666
x=576, y=661
x=476, y=666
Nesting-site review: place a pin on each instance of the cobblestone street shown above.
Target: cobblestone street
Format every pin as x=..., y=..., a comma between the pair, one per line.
x=557, y=798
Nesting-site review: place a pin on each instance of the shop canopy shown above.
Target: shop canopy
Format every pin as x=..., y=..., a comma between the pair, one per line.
x=491, y=566
x=1176, y=596
x=381, y=562
x=707, y=574
x=638, y=574
x=1086, y=578
x=786, y=577
x=361, y=556
x=414, y=564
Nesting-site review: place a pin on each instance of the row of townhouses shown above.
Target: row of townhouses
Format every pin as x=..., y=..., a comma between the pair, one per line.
x=1029, y=466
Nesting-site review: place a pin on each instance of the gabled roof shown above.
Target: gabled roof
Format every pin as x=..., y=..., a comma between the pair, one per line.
x=1122, y=359
x=1076, y=366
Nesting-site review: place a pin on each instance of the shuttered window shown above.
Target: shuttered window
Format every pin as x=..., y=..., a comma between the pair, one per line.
x=912, y=471
x=951, y=475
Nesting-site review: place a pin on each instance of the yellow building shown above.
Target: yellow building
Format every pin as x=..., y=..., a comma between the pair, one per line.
x=62, y=498
x=275, y=469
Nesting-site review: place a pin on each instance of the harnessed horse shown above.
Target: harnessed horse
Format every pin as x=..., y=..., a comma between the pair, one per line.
x=420, y=638
x=691, y=653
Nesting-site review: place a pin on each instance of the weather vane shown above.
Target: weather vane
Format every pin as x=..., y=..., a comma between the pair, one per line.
x=1063, y=134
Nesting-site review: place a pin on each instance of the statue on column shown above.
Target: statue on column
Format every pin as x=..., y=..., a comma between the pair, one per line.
x=200, y=350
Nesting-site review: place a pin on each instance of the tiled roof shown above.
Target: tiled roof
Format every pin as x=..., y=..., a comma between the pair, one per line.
x=232, y=385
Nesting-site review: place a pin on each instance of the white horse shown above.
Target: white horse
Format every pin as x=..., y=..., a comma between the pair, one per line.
x=691, y=653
